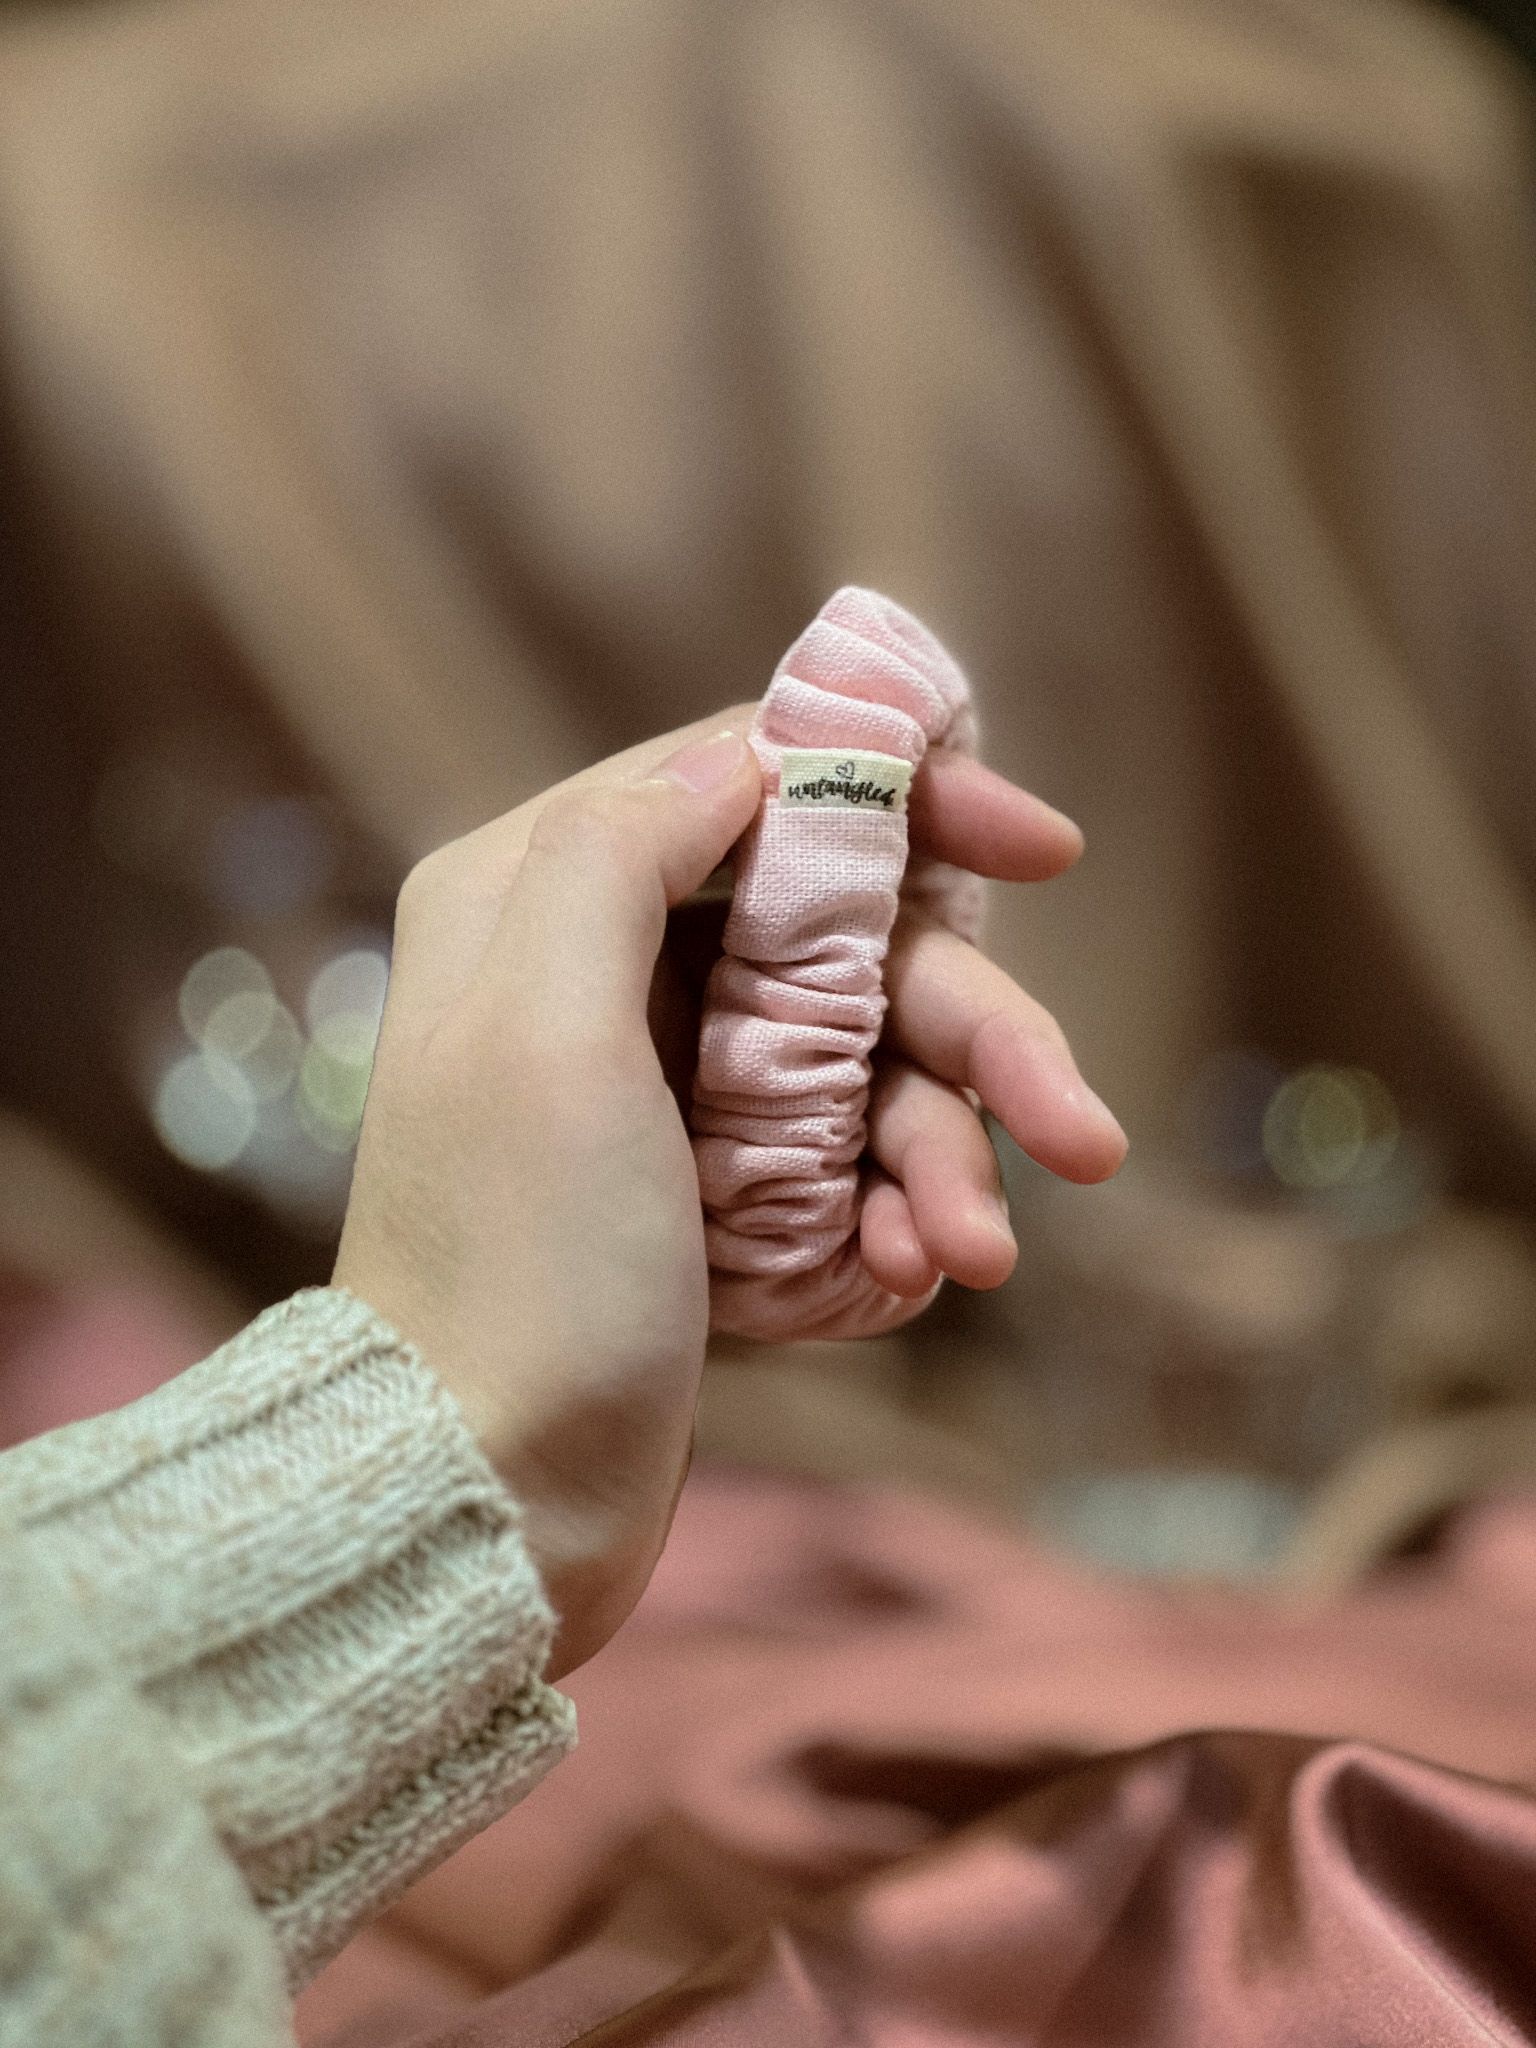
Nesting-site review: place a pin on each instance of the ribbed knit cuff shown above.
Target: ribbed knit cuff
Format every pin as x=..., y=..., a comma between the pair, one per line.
x=300, y=1554
x=122, y=1922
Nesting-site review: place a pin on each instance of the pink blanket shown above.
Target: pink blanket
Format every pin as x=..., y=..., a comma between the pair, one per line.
x=862, y=1769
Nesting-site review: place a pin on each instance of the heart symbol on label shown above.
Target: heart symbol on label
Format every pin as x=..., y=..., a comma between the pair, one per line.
x=843, y=769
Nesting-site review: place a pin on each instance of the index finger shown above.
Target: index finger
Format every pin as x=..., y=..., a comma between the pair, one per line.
x=504, y=840
x=453, y=901
x=966, y=813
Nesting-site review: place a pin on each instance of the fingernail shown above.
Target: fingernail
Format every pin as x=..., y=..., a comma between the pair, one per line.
x=995, y=1208
x=705, y=764
x=1061, y=818
x=1097, y=1107
x=1067, y=1084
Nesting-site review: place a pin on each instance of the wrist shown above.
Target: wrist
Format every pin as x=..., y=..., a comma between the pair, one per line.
x=478, y=1393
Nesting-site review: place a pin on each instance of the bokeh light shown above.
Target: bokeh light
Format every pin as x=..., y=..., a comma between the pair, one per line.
x=333, y=1085
x=227, y=997
x=1171, y=1523
x=260, y=1097
x=343, y=1007
x=348, y=994
x=240, y=1022
x=1329, y=1127
x=272, y=1063
x=205, y=1110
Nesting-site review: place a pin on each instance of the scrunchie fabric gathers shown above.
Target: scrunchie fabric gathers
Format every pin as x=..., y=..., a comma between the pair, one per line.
x=795, y=1005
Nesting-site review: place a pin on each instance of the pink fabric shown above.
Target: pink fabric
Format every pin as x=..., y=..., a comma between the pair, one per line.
x=794, y=1006
x=66, y=1356
x=863, y=1769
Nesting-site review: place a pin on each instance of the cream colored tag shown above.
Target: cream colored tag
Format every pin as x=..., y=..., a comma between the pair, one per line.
x=819, y=778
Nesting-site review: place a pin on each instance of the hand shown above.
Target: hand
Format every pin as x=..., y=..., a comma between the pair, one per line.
x=525, y=1207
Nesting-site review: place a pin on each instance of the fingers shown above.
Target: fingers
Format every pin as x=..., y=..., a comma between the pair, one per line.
x=929, y=1139
x=957, y=1014
x=576, y=945
x=454, y=900
x=889, y=1244
x=963, y=812
x=635, y=763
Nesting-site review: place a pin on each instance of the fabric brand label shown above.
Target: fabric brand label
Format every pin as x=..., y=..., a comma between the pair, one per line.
x=819, y=778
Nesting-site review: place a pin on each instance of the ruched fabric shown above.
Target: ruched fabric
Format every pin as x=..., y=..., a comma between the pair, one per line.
x=794, y=1006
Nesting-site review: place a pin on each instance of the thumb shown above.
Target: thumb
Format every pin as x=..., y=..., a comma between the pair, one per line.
x=584, y=920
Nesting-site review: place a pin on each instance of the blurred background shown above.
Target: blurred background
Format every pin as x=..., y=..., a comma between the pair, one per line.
x=404, y=407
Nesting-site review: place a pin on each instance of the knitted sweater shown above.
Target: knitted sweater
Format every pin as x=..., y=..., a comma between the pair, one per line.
x=270, y=1648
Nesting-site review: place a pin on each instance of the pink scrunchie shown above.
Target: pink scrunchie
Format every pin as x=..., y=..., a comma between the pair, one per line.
x=794, y=1007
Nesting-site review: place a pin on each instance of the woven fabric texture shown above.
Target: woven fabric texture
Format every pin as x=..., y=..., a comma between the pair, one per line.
x=794, y=1006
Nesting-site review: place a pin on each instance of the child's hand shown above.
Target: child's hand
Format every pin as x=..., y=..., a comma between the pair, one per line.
x=525, y=1206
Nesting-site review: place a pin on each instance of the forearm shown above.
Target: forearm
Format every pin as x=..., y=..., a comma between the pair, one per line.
x=301, y=1559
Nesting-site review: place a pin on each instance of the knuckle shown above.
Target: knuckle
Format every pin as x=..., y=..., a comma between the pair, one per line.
x=1044, y=1027
x=422, y=889
x=584, y=821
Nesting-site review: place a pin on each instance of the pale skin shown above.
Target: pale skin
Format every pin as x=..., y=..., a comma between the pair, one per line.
x=525, y=1207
